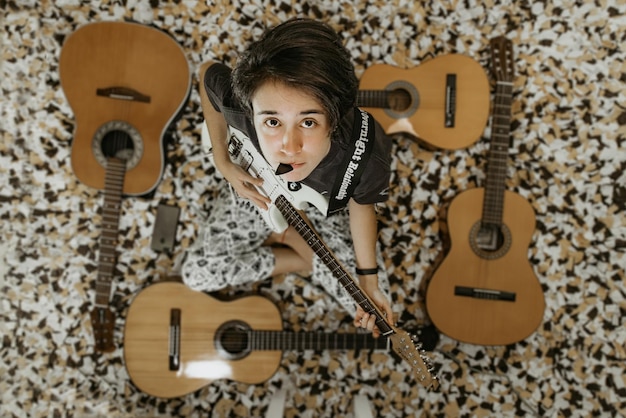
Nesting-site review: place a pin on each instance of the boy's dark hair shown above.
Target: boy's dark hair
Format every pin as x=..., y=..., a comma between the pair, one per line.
x=301, y=53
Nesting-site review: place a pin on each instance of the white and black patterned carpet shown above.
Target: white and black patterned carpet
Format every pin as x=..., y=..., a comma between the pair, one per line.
x=568, y=161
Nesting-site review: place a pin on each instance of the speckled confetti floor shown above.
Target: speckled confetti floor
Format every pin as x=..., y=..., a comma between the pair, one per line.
x=567, y=161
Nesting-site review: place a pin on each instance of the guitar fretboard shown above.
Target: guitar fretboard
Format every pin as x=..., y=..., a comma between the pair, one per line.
x=398, y=100
x=113, y=185
x=323, y=252
x=373, y=98
x=283, y=340
x=493, y=204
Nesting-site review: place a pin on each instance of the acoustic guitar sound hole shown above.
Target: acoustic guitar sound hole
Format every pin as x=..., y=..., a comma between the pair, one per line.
x=402, y=99
x=490, y=241
x=399, y=100
x=232, y=340
x=117, y=144
x=117, y=139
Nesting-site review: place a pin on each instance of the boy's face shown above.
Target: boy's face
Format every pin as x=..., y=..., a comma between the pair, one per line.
x=292, y=127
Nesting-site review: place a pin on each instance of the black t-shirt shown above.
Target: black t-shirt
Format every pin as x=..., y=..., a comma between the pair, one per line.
x=373, y=186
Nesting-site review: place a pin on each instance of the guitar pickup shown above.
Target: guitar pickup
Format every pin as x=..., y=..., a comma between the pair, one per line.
x=478, y=293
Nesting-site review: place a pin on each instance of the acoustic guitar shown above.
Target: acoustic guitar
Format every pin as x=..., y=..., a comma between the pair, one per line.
x=485, y=291
x=125, y=83
x=178, y=340
x=444, y=102
x=285, y=198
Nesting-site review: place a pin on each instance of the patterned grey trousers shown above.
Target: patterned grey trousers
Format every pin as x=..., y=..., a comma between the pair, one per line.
x=229, y=249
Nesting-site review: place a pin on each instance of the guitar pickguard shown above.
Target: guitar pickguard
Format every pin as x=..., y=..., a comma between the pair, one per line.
x=243, y=152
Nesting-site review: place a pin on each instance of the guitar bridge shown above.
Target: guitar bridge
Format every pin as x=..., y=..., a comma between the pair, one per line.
x=478, y=293
x=450, y=100
x=174, y=340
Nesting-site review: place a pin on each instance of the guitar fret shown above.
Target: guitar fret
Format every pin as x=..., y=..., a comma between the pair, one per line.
x=104, y=276
x=251, y=339
x=112, y=193
x=104, y=268
x=286, y=341
x=499, y=151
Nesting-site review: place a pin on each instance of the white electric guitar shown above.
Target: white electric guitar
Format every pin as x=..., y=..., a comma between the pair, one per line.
x=243, y=153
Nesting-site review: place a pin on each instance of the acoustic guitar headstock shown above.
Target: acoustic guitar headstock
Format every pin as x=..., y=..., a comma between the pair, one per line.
x=502, y=60
x=103, y=323
x=409, y=349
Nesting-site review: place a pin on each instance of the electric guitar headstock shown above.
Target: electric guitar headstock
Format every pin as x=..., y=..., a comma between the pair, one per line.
x=103, y=323
x=410, y=350
x=502, y=60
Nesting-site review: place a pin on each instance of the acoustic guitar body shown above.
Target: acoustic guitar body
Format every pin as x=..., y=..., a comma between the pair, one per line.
x=125, y=83
x=486, y=297
x=167, y=312
x=443, y=102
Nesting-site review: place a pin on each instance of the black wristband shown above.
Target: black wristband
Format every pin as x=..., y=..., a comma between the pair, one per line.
x=365, y=272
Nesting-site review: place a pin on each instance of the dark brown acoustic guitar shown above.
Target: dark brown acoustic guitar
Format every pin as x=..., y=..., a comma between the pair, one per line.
x=178, y=340
x=485, y=291
x=126, y=83
x=443, y=102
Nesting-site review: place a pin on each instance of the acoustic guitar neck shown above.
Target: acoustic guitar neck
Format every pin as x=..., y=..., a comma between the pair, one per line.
x=102, y=318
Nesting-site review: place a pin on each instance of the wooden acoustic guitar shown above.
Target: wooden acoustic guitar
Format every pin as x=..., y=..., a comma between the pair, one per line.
x=125, y=83
x=485, y=291
x=178, y=340
x=444, y=102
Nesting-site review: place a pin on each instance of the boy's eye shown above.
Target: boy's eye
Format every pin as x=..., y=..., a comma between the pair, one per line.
x=272, y=123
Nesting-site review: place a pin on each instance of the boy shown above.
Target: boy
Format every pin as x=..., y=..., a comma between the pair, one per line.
x=293, y=93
